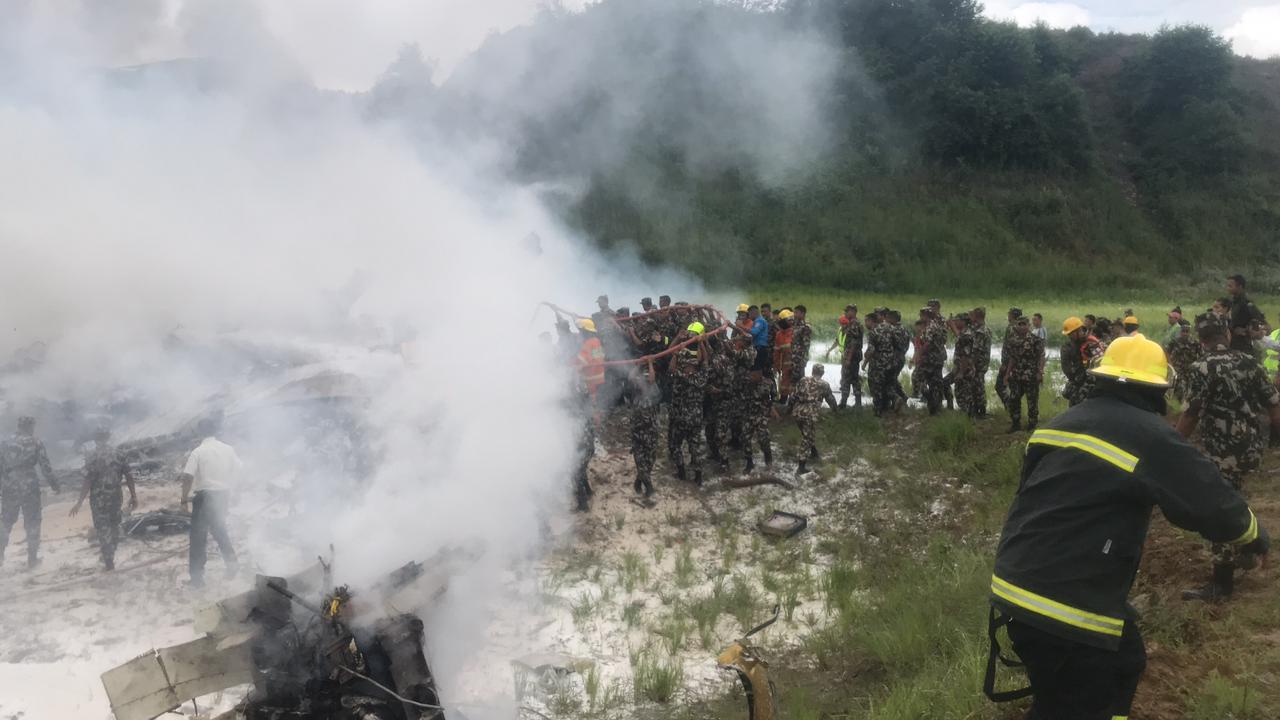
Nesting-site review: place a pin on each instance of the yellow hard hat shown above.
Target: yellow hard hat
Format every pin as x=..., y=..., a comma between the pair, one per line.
x=1131, y=320
x=587, y=324
x=1134, y=360
x=1071, y=325
x=696, y=328
x=785, y=315
x=743, y=308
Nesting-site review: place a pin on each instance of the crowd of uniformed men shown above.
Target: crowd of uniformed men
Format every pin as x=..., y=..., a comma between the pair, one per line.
x=721, y=385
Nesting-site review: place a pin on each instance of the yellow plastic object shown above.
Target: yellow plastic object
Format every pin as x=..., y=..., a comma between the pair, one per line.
x=696, y=328
x=754, y=674
x=785, y=315
x=1135, y=360
x=1071, y=325
x=587, y=324
x=743, y=308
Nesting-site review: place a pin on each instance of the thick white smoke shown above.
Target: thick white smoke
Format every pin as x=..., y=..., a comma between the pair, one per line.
x=159, y=224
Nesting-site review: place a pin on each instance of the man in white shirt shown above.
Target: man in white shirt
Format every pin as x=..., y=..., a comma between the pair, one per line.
x=212, y=469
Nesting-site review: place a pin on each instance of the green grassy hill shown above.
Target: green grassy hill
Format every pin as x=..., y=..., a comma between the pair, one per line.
x=965, y=155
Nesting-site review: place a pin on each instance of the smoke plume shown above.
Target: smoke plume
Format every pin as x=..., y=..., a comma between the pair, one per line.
x=174, y=231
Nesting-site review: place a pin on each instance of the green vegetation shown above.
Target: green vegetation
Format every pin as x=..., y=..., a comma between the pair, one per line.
x=966, y=154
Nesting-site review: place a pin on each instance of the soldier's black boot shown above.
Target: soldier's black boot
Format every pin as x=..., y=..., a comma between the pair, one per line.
x=1031, y=426
x=648, y=489
x=680, y=475
x=697, y=478
x=768, y=455
x=844, y=399
x=801, y=468
x=638, y=485
x=813, y=454
x=857, y=400
x=724, y=464
x=1219, y=588
x=109, y=563
x=750, y=465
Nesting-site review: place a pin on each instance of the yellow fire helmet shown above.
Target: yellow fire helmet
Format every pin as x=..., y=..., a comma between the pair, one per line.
x=696, y=328
x=743, y=308
x=1134, y=360
x=1071, y=325
x=785, y=315
x=587, y=324
x=1131, y=320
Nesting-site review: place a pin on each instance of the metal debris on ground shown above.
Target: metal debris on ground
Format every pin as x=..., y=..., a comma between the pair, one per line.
x=159, y=522
x=312, y=651
x=783, y=524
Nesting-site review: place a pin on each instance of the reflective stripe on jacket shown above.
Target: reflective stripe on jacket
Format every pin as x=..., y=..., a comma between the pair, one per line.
x=1072, y=541
x=1272, y=358
x=590, y=361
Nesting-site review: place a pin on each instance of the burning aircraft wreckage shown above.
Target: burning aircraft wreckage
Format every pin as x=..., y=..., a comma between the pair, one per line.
x=310, y=649
x=306, y=646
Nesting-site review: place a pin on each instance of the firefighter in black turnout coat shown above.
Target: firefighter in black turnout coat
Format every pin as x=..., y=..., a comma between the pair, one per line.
x=1070, y=547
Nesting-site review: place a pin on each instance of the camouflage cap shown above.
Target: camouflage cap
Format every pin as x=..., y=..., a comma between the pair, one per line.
x=1015, y=312
x=933, y=301
x=646, y=301
x=1209, y=322
x=962, y=317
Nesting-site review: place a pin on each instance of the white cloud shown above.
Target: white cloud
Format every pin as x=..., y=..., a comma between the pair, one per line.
x=1054, y=14
x=1257, y=33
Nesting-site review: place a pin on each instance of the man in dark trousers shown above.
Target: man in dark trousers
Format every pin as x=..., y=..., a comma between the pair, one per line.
x=22, y=461
x=211, y=472
x=104, y=469
x=1073, y=539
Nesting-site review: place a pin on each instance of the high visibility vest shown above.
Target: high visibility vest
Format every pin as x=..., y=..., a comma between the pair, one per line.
x=840, y=327
x=1272, y=360
x=591, y=362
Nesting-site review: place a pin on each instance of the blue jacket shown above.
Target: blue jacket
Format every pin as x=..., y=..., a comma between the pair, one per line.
x=760, y=333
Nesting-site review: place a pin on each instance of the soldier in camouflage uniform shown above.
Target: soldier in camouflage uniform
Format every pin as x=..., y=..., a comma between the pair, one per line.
x=1226, y=389
x=881, y=360
x=1024, y=371
x=22, y=461
x=801, y=340
x=586, y=447
x=901, y=345
x=982, y=358
x=1183, y=351
x=718, y=400
x=804, y=405
x=1002, y=389
x=760, y=394
x=104, y=468
x=743, y=357
x=646, y=398
x=965, y=361
x=851, y=358
x=689, y=371
x=933, y=360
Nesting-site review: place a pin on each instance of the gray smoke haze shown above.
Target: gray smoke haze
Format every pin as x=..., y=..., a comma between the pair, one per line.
x=173, y=232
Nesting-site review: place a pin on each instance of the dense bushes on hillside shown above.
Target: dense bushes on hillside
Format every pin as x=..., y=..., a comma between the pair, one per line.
x=909, y=144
